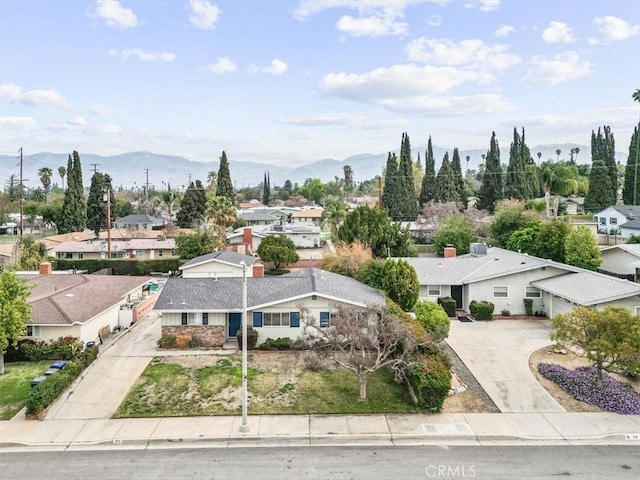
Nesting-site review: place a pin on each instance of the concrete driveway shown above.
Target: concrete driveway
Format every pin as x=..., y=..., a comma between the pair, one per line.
x=497, y=353
x=103, y=386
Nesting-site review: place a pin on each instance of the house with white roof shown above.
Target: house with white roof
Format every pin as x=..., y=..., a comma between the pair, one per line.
x=135, y=248
x=615, y=217
x=221, y=264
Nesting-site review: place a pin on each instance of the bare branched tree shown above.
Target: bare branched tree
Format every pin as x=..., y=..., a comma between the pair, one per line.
x=361, y=340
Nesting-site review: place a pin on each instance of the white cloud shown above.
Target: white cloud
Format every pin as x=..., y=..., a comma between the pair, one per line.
x=101, y=110
x=114, y=14
x=307, y=8
x=13, y=93
x=277, y=67
x=77, y=121
x=504, y=30
x=204, y=14
x=17, y=123
x=223, y=65
x=614, y=28
x=374, y=26
x=467, y=53
x=434, y=21
x=561, y=68
x=143, y=56
x=338, y=119
x=484, y=5
x=558, y=32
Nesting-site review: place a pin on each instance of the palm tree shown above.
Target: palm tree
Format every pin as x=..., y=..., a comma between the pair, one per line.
x=577, y=150
x=558, y=179
x=45, y=177
x=212, y=180
x=170, y=197
x=558, y=152
x=222, y=212
x=62, y=171
x=334, y=213
x=636, y=95
x=539, y=156
x=467, y=158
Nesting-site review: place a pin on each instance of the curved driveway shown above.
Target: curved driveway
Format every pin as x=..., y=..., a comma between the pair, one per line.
x=497, y=353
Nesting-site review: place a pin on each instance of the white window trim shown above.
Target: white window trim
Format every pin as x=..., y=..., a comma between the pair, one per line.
x=636, y=310
x=429, y=287
x=526, y=292
x=288, y=314
x=493, y=291
x=35, y=331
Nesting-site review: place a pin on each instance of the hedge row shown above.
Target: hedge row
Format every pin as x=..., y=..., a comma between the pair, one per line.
x=30, y=350
x=120, y=266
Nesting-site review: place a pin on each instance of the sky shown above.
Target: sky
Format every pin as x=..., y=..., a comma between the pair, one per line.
x=291, y=82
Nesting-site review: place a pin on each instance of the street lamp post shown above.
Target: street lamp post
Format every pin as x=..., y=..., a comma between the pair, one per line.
x=244, y=426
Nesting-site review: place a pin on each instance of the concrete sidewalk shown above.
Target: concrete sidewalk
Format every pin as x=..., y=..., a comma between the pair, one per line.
x=305, y=430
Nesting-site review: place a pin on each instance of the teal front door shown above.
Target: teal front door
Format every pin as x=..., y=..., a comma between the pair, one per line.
x=235, y=324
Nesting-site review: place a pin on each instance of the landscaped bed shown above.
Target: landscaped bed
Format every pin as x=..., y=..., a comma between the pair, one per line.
x=278, y=383
x=15, y=385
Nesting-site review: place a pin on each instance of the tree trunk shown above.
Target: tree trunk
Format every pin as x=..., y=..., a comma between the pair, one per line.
x=363, y=388
x=2, y=364
x=547, y=199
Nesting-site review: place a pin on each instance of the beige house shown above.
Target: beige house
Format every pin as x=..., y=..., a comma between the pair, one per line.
x=308, y=215
x=138, y=248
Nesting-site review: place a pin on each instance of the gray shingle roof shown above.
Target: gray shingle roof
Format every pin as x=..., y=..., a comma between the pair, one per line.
x=588, y=288
x=224, y=294
x=633, y=224
x=226, y=256
x=257, y=216
x=140, y=218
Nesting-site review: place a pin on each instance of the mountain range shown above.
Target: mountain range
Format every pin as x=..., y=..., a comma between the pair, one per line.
x=134, y=169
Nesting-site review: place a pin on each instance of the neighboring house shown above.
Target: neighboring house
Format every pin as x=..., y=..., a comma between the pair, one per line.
x=211, y=308
x=245, y=237
x=302, y=235
x=618, y=259
x=260, y=217
x=506, y=278
x=632, y=227
x=221, y=264
x=613, y=218
x=138, y=248
x=308, y=215
x=84, y=306
x=139, y=221
x=572, y=205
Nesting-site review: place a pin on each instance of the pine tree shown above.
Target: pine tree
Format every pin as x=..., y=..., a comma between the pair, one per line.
x=600, y=193
x=456, y=167
x=428, y=191
x=603, y=148
x=517, y=182
x=225, y=187
x=96, y=203
x=631, y=192
x=390, y=190
x=74, y=206
x=408, y=203
x=491, y=189
x=192, y=206
x=446, y=188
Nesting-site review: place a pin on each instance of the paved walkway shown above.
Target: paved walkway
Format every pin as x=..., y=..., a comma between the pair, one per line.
x=497, y=354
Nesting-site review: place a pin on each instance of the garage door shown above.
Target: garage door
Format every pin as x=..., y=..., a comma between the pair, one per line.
x=560, y=305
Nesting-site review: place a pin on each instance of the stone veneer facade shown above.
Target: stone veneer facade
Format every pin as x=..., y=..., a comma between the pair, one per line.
x=210, y=336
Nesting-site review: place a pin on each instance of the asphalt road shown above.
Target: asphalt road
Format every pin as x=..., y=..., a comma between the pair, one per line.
x=371, y=463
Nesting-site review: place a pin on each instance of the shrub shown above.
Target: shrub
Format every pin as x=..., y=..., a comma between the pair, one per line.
x=505, y=313
x=481, y=310
x=43, y=394
x=430, y=380
x=528, y=306
x=282, y=343
x=582, y=383
x=449, y=305
x=196, y=342
x=252, y=338
x=167, y=341
x=314, y=362
x=183, y=341
x=434, y=319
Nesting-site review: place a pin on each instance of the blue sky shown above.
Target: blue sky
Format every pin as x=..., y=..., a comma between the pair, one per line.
x=290, y=82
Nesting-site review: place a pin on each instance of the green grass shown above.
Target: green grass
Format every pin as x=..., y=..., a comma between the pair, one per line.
x=15, y=385
x=166, y=389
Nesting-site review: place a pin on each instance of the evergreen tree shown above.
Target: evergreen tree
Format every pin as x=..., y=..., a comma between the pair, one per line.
x=631, y=192
x=603, y=148
x=491, y=189
x=456, y=167
x=192, y=207
x=74, y=207
x=408, y=203
x=581, y=249
x=390, y=195
x=446, y=188
x=517, y=184
x=96, y=203
x=600, y=193
x=266, y=190
x=225, y=187
x=428, y=191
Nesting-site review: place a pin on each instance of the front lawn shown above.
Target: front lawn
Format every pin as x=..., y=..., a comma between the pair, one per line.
x=277, y=383
x=15, y=385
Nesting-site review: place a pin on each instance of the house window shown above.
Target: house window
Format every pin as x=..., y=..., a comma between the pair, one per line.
x=613, y=221
x=205, y=318
x=603, y=220
x=500, y=291
x=184, y=318
x=532, y=292
x=159, y=253
x=68, y=255
x=81, y=256
x=275, y=319
x=325, y=317
x=433, y=290
x=33, y=331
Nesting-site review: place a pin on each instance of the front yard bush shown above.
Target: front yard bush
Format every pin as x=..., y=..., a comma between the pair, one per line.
x=252, y=338
x=583, y=384
x=481, y=310
x=430, y=380
x=528, y=306
x=449, y=305
x=434, y=319
x=43, y=394
x=282, y=343
x=167, y=341
x=28, y=349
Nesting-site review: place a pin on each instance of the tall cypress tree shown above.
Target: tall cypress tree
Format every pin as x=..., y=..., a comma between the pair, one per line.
x=428, y=190
x=516, y=183
x=192, y=206
x=631, y=192
x=491, y=189
x=446, y=187
x=408, y=204
x=266, y=189
x=603, y=148
x=456, y=167
x=74, y=206
x=225, y=187
x=600, y=193
x=96, y=203
x=390, y=190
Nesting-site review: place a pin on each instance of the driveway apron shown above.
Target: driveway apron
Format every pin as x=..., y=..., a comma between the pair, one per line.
x=497, y=353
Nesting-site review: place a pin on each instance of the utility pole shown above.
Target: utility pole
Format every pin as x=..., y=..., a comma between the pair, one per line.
x=21, y=188
x=95, y=167
x=190, y=177
x=108, y=195
x=146, y=185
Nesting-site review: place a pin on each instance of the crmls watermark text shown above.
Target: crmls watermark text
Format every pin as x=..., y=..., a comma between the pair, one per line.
x=450, y=471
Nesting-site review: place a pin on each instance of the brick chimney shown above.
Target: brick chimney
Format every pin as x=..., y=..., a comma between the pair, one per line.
x=449, y=251
x=258, y=269
x=247, y=235
x=45, y=268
